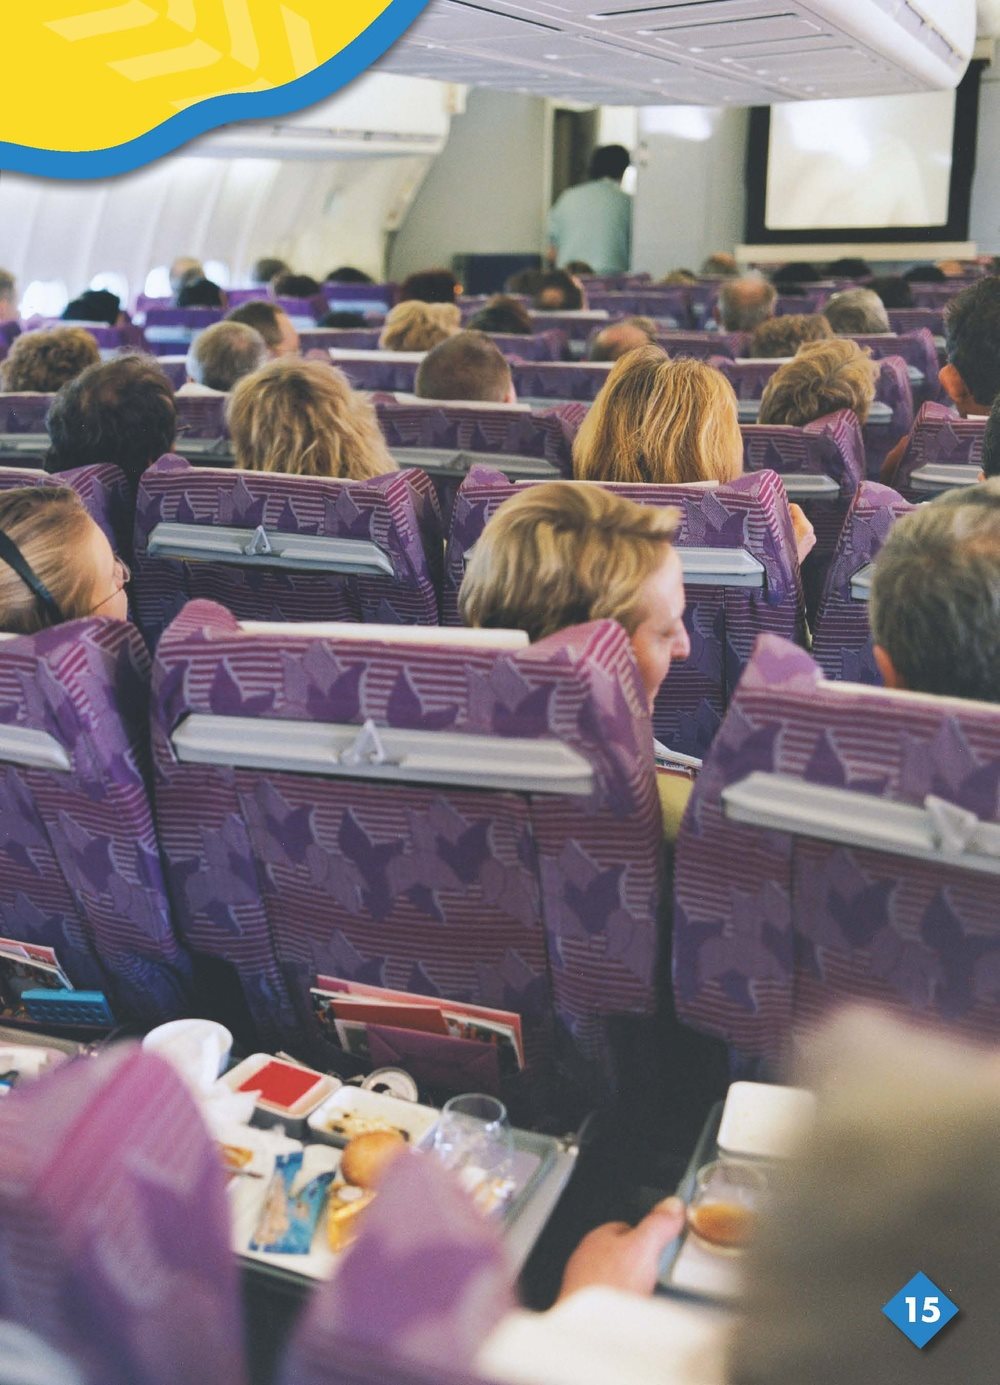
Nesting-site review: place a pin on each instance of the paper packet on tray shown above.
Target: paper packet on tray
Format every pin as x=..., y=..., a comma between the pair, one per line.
x=288, y=1220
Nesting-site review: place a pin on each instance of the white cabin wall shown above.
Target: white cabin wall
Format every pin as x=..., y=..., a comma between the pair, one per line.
x=488, y=189
x=984, y=215
x=690, y=193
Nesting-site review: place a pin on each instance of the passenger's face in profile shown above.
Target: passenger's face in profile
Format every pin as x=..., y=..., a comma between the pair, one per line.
x=108, y=596
x=661, y=637
x=288, y=344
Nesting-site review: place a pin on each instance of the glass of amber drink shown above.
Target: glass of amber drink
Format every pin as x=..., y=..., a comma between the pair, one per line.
x=722, y=1214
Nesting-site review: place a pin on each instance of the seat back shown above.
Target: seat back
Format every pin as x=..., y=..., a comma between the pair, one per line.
x=810, y=300
x=842, y=843
x=944, y=451
x=540, y=345
x=916, y=319
x=731, y=595
x=366, y=298
x=280, y=547
x=577, y=326
x=892, y=389
x=414, y=852
x=114, y=1224
x=381, y=1322
x=386, y=371
x=842, y=641
x=559, y=380
x=103, y=489
x=304, y=312
x=80, y=859
x=170, y=329
x=437, y=425
x=700, y=345
x=201, y=415
x=671, y=302
x=822, y=464
x=24, y=413
x=917, y=349
x=344, y=338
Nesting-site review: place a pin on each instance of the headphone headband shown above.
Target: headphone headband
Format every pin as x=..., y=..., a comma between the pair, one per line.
x=14, y=558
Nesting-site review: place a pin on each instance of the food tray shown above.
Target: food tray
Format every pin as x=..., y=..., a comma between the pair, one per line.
x=412, y=1120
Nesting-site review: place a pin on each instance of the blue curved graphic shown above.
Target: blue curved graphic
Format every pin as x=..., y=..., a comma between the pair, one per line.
x=207, y=115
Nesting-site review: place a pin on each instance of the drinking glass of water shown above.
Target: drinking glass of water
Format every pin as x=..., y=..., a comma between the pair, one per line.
x=474, y=1139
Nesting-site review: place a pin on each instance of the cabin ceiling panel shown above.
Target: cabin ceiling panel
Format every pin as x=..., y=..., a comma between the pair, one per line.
x=745, y=52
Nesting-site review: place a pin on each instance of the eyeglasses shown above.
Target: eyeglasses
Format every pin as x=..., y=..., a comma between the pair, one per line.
x=123, y=576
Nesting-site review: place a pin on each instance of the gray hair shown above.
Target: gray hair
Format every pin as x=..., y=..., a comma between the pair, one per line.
x=857, y=311
x=935, y=595
x=224, y=353
x=745, y=303
x=895, y=1177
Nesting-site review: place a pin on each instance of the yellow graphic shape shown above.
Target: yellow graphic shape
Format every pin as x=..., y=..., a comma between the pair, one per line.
x=82, y=77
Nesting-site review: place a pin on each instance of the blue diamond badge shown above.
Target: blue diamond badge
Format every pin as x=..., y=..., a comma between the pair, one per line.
x=920, y=1310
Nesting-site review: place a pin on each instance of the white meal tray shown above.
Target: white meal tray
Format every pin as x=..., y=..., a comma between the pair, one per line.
x=413, y=1121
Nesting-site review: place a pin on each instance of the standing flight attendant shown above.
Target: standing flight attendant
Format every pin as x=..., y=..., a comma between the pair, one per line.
x=593, y=221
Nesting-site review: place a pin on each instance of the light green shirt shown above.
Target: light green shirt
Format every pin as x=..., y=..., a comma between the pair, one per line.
x=593, y=223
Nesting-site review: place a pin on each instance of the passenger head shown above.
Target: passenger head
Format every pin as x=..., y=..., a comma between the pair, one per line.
x=609, y=161
x=893, y=290
x=200, y=293
x=850, y=267
x=224, y=353
x=679, y=276
x=613, y=342
x=466, y=366
x=971, y=376
x=266, y=269
x=857, y=312
x=889, y=1175
x=822, y=377
x=924, y=274
x=55, y=563
x=745, y=303
x=794, y=274
x=42, y=362
x=418, y=326
x=662, y=421
x=782, y=336
x=525, y=282
x=578, y=267
x=430, y=286
x=502, y=314
x=935, y=597
x=303, y=417
x=560, y=554
x=288, y=285
x=347, y=274
x=8, y=296
x=559, y=292
x=275, y=326
x=95, y=305
x=719, y=266
x=340, y=317
x=183, y=268
x=120, y=411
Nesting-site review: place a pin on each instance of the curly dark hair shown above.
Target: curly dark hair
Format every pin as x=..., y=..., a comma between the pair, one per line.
x=45, y=361
x=430, y=286
x=120, y=411
x=972, y=331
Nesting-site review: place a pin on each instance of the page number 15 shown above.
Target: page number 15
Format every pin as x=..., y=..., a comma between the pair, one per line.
x=930, y=1312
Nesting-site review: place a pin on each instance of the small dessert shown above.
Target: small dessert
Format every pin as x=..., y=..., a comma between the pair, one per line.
x=361, y=1166
x=234, y=1158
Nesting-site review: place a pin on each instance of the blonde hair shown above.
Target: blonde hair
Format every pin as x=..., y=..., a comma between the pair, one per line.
x=559, y=554
x=660, y=420
x=821, y=377
x=44, y=361
x=418, y=326
x=303, y=417
x=49, y=526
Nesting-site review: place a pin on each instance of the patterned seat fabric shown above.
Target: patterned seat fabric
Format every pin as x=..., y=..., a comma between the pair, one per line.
x=842, y=642
x=115, y=1226
x=831, y=446
x=541, y=903
x=545, y=433
x=917, y=349
x=381, y=371
x=701, y=345
x=750, y=513
x=344, y=338
x=397, y=512
x=771, y=928
x=672, y=302
x=103, y=489
x=172, y=329
x=540, y=345
x=201, y=415
x=940, y=437
x=382, y=1322
x=917, y=319
x=24, y=413
x=559, y=380
x=80, y=860
x=892, y=388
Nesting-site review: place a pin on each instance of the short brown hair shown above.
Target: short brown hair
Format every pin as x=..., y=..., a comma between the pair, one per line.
x=659, y=420
x=563, y=553
x=782, y=336
x=42, y=362
x=418, y=326
x=465, y=366
x=49, y=525
x=303, y=417
x=821, y=377
x=263, y=317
